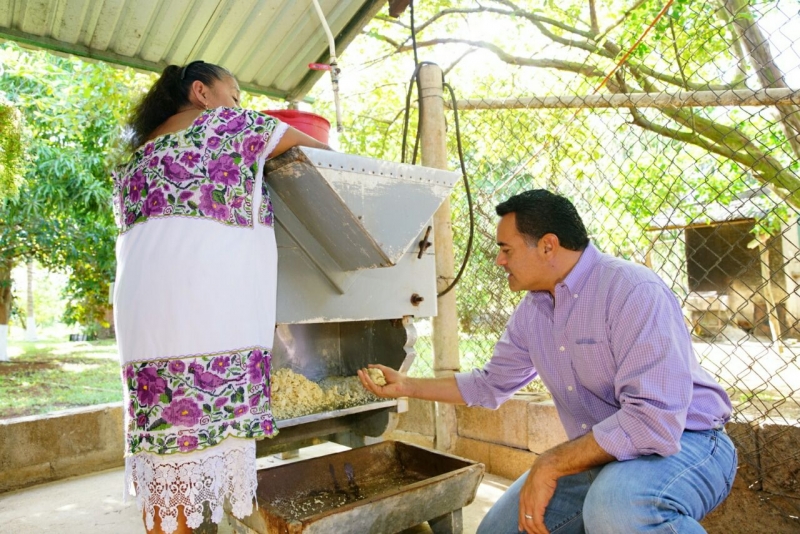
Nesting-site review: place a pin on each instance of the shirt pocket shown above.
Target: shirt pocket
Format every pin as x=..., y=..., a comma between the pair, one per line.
x=594, y=368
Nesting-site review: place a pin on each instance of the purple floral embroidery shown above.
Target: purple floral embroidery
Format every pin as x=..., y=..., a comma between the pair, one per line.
x=221, y=363
x=154, y=203
x=203, y=379
x=223, y=170
x=255, y=367
x=193, y=403
x=190, y=159
x=252, y=147
x=174, y=170
x=135, y=186
x=170, y=175
x=233, y=126
x=227, y=113
x=150, y=386
x=182, y=412
x=187, y=443
x=211, y=205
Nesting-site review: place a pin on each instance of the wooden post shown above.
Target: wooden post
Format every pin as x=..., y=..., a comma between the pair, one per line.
x=445, y=324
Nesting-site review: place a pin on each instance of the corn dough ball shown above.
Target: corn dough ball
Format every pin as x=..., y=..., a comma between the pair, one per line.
x=377, y=376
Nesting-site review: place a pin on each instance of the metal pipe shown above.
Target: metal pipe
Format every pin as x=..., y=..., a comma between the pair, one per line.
x=335, y=70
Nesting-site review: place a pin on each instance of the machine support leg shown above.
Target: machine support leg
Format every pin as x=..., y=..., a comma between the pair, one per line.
x=451, y=523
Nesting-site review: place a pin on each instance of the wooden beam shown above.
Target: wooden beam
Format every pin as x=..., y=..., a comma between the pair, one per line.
x=683, y=99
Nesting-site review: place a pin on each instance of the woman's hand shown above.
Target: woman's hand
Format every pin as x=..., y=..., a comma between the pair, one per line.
x=395, y=382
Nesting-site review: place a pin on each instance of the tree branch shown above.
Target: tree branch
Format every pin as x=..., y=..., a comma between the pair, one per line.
x=569, y=66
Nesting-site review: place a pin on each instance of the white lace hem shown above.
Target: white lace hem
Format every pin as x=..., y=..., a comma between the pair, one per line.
x=224, y=472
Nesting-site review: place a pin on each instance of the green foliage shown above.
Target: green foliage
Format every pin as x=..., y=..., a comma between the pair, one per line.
x=12, y=155
x=73, y=113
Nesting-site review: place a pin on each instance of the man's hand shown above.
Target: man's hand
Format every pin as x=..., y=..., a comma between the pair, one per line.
x=565, y=459
x=535, y=495
x=395, y=382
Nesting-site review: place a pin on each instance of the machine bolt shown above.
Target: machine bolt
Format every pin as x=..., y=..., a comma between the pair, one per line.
x=416, y=299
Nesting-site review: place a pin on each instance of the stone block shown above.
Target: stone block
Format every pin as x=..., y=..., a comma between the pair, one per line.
x=38, y=449
x=411, y=437
x=544, y=427
x=508, y=425
x=419, y=418
x=500, y=460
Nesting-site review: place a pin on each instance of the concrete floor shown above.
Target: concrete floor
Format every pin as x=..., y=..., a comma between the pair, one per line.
x=92, y=504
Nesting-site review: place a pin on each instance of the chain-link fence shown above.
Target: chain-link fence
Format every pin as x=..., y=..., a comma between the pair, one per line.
x=686, y=160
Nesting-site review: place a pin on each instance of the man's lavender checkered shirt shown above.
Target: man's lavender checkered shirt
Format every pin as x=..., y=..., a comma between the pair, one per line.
x=615, y=354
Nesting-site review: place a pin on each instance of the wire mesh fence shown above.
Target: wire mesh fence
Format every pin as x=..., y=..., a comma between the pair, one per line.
x=675, y=132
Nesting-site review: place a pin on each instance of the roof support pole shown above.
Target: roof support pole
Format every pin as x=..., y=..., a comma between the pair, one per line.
x=445, y=324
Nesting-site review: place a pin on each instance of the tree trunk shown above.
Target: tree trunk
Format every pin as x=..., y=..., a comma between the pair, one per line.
x=6, y=299
x=769, y=75
x=30, y=324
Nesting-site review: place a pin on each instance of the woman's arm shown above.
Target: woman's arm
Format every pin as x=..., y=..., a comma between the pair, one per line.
x=294, y=137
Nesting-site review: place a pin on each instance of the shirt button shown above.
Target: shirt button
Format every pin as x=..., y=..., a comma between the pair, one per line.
x=569, y=388
x=583, y=426
x=561, y=348
x=575, y=296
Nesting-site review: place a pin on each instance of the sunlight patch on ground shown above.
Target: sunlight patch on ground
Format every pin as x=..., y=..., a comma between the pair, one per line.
x=13, y=352
x=78, y=367
x=86, y=349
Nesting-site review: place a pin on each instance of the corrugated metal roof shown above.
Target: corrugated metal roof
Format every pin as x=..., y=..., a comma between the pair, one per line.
x=267, y=44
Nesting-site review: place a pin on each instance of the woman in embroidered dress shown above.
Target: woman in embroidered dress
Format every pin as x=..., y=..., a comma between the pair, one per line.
x=195, y=296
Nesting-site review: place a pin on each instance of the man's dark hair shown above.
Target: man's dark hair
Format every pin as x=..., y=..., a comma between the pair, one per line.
x=541, y=212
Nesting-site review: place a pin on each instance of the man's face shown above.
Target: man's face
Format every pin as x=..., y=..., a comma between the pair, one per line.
x=524, y=264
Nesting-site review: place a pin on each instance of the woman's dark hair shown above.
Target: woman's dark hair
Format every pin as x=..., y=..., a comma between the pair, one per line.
x=168, y=95
x=541, y=212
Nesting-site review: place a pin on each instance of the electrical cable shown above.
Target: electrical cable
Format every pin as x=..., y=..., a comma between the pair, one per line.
x=471, y=237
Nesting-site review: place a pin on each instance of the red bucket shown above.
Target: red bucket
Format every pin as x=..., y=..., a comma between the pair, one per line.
x=308, y=123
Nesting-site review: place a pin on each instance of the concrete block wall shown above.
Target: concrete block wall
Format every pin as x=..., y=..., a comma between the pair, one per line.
x=41, y=449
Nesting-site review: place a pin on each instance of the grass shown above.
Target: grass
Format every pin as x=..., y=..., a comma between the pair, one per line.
x=45, y=376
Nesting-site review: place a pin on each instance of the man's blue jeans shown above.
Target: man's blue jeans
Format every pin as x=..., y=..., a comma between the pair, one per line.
x=650, y=493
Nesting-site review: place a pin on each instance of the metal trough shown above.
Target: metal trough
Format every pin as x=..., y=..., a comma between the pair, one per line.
x=379, y=489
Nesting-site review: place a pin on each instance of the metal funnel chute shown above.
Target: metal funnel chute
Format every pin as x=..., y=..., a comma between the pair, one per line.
x=364, y=213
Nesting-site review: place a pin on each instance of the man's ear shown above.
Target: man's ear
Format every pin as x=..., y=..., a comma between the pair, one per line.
x=549, y=243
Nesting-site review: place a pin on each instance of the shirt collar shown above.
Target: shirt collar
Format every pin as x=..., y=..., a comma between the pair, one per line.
x=577, y=277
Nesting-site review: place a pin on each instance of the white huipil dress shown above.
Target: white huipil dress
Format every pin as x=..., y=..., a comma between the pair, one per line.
x=194, y=303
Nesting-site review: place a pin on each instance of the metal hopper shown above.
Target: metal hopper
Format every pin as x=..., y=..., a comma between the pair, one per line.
x=349, y=218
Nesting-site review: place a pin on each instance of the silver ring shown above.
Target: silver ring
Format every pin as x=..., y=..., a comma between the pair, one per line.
x=528, y=516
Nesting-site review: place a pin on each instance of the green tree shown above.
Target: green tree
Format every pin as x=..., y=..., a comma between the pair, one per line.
x=73, y=113
x=11, y=152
